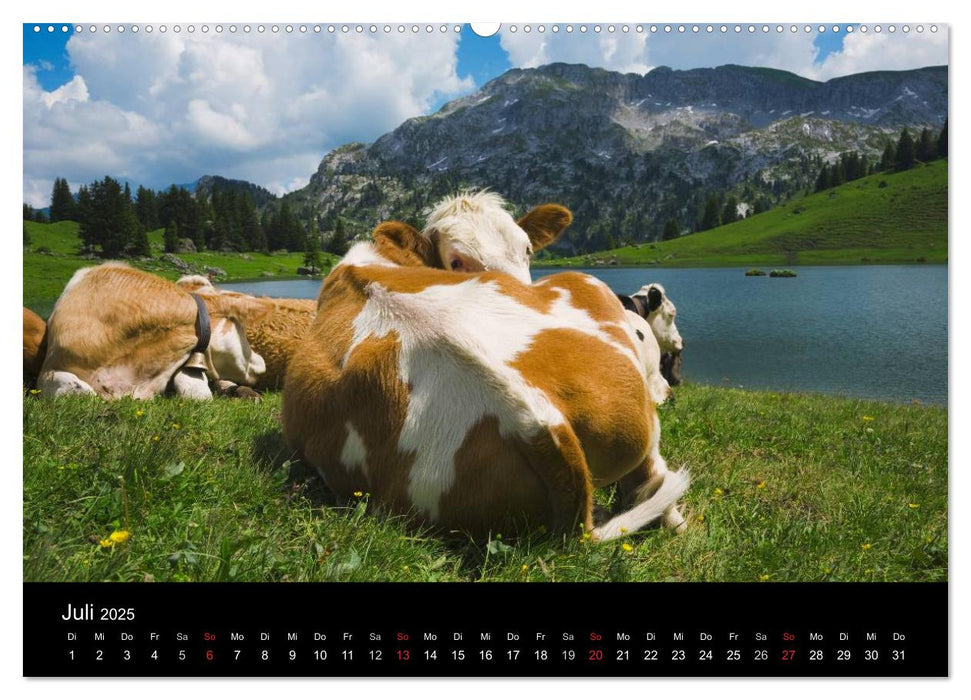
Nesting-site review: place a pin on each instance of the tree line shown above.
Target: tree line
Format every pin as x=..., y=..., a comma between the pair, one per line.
x=904, y=155
x=907, y=152
x=117, y=223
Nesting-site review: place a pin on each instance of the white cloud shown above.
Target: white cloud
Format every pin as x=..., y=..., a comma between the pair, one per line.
x=74, y=90
x=884, y=51
x=639, y=52
x=158, y=109
x=620, y=52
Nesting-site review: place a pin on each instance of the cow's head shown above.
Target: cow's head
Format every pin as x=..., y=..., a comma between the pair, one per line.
x=229, y=355
x=660, y=313
x=472, y=232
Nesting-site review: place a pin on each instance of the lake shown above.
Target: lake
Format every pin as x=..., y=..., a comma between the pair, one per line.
x=877, y=332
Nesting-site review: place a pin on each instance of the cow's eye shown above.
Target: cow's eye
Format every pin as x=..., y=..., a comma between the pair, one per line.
x=456, y=264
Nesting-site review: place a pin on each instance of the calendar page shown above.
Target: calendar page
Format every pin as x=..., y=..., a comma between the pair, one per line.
x=460, y=325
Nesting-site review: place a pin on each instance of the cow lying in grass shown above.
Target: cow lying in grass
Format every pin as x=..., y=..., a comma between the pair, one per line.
x=651, y=307
x=117, y=331
x=273, y=326
x=472, y=401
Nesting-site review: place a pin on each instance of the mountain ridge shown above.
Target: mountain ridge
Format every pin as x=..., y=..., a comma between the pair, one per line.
x=625, y=152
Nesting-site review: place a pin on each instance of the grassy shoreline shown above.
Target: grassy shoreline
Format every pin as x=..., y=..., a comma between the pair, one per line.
x=786, y=487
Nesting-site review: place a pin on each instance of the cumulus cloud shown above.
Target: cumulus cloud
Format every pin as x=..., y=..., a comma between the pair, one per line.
x=640, y=52
x=884, y=51
x=625, y=53
x=163, y=108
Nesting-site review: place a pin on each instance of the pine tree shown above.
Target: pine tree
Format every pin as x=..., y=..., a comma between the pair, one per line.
x=311, y=250
x=942, y=141
x=887, y=159
x=671, y=230
x=200, y=218
x=710, y=219
x=28, y=212
x=730, y=212
x=171, y=237
x=822, y=180
x=906, y=155
x=26, y=236
x=147, y=208
x=338, y=239
x=252, y=231
x=926, y=148
x=62, y=202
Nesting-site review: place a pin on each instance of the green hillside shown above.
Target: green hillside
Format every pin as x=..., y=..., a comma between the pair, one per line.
x=884, y=218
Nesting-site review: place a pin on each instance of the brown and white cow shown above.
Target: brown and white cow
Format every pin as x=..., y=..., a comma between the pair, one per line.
x=35, y=345
x=273, y=326
x=472, y=401
x=118, y=331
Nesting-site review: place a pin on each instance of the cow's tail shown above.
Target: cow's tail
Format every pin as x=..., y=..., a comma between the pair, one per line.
x=646, y=512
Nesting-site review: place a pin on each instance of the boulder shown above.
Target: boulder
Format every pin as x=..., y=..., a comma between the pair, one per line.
x=185, y=245
x=177, y=262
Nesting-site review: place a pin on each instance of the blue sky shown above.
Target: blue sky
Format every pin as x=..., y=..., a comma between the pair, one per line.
x=157, y=108
x=49, y=52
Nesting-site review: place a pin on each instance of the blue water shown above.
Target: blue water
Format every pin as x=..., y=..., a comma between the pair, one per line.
x=876, y=332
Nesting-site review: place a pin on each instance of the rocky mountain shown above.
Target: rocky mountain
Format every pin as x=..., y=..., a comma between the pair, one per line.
x=625, y=152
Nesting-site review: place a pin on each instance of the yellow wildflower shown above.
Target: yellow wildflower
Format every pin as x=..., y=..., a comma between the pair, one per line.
x=701, y=518
x=34, y=392
x=718, y=491
x=913, y=505
x=139, y=413
x=868, y=418
x=765, y=577
x=623, y=530
x=116, y=537
x=761, y=485
x=525, y=568
x=585, y=536
x=358, y=494
x=176, y=426
x=626, y=547
x=155, y=438
x=866, y=545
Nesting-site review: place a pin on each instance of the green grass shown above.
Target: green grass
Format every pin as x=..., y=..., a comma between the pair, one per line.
x=903, y=221
x=52, y=257
x=786, y=487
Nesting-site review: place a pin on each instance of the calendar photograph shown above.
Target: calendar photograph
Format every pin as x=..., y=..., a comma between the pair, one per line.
x=518, y=303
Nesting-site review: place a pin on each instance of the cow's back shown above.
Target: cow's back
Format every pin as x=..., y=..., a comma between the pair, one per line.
x=459, y=398
x=275, y=332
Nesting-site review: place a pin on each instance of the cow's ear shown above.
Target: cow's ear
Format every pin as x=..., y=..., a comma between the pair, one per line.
x=545, y=223
x=404, y=245
x=654, y=299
